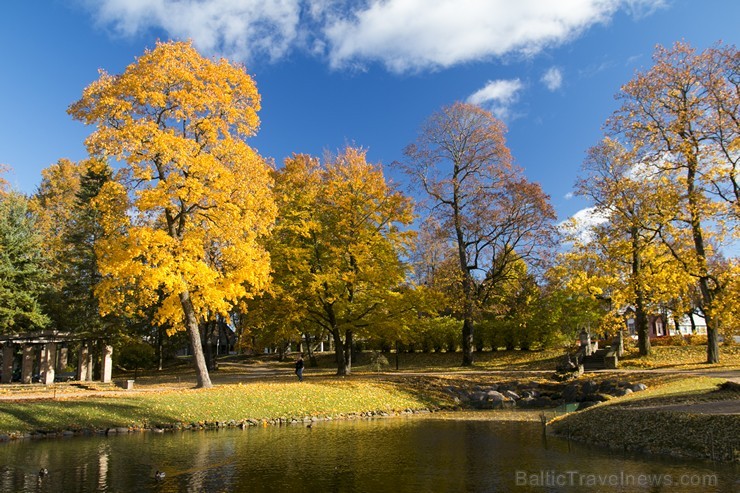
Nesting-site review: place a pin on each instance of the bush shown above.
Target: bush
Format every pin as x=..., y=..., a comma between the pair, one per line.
x=680, y=340
x=136, y=355
x=696, y=340
x=436, y=334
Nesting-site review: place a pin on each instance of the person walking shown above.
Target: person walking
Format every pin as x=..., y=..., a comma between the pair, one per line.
x=299, y=368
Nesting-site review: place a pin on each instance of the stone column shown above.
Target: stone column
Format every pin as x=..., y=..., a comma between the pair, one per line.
x=91, y=364
x=82, y=363
x=62, y=357
x=27, y=366
x=48, y=358
x=8, y=357
x=106, y=368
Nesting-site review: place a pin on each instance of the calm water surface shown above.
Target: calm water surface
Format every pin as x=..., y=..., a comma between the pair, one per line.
x=420, y=454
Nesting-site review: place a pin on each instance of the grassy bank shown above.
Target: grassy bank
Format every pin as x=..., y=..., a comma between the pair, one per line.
x=223, y=403
x=262, y=388
x=680, y=358
x=642, y=422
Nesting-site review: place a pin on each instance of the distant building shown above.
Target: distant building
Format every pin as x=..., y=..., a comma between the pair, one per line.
x=665, y=325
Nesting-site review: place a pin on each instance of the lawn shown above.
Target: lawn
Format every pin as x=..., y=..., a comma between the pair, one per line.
x=222, y=403
x=263, y=388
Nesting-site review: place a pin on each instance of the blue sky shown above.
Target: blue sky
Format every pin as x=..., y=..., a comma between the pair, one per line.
x=367, y=73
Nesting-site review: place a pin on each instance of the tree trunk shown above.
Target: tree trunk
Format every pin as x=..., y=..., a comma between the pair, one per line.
x=467, y=342
x=344, y=367
x=311, y=356
x=160, y=347
x=641, y=323
x=467, y=329
x=712, y=342
x=348, y=351
x=642, y=327
x=191, y=323
x=707, y=293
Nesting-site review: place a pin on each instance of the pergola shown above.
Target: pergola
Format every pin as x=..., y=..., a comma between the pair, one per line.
x=50, y=347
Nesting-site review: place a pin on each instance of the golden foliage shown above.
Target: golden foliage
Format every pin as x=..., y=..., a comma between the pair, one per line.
x=186, y=211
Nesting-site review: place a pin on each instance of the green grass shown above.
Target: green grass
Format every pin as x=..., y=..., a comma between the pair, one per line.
x=681, y=358
x=222, y=403
x=637, y=423
x=167, y=397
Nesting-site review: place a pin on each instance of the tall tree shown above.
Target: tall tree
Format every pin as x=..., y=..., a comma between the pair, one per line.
x=83, y=237
x=70, y=228
x=195, y=196
x=338, y=246
x=631, y=201
x=681, y=115
x=54, y=205
x=492, y=215
x=22, y=276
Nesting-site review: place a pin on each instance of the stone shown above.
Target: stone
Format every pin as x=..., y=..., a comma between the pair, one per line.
x=589, y=387
x=526, y=402
x=608, y=386
x=638, y=387
x=511, y=395
x=495, y=399
x=571, y=392
x=623, y=392
x=478, y=396
x=543, y=401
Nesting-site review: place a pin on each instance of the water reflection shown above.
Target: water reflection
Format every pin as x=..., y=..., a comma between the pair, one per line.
x=398, y=455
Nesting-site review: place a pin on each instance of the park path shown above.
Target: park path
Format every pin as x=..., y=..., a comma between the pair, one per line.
x=712, y=407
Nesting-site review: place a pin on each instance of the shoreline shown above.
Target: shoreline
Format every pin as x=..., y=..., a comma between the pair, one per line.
x=640, y=422
x=703, y=428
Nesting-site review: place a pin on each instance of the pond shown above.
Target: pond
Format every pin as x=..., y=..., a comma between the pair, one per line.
x=467, y=452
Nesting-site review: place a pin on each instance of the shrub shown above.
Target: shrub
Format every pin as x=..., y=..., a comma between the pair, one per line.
x=661, y=341
x=696, y=339
x=136, y=355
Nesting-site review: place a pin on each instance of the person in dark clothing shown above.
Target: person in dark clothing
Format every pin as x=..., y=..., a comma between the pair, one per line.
x=299, y=368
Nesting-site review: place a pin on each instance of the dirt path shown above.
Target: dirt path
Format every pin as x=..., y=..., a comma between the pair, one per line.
x=714, y=407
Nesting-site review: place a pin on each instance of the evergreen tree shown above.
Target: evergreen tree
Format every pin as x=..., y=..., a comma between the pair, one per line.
x=22, y=277
x=81, y=237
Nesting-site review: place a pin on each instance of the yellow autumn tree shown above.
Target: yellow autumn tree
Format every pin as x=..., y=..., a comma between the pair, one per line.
x=4, y=185
x=338, y=248
x=53, y=205
x=634, y=202
x=681, y=117
x=196, y=196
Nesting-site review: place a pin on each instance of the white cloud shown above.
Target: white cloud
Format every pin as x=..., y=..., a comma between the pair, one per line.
x=403, y=35
x=499, y=95
x=238, y=29
x=408, y=35
x=553, y=78
x=580, y=225
x=569, y=196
